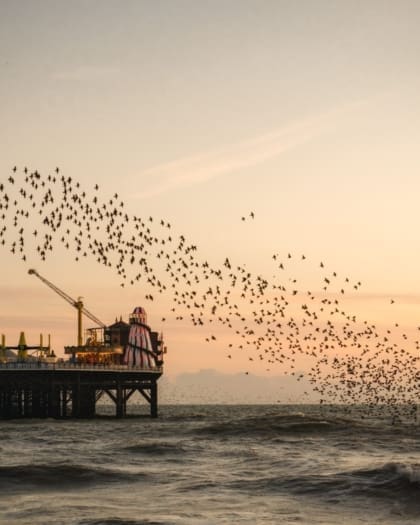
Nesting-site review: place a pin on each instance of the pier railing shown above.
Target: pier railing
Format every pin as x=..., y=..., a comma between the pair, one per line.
x=96, y=367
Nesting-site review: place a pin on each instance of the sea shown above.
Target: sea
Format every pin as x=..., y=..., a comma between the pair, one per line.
x=213, y=464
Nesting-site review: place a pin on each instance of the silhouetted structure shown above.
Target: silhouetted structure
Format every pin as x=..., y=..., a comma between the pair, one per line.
x=116, y=361
x=67, y=390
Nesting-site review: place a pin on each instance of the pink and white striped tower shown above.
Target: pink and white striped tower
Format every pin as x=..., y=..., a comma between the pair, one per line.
x=139, y=351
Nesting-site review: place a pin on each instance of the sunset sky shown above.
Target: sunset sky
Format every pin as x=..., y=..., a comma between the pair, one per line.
x=305, y=113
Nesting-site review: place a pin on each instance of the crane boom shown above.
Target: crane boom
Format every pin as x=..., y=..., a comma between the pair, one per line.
x=76, y=304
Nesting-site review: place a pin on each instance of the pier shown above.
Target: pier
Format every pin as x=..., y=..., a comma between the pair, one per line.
x=115, y=361
x=67, y=390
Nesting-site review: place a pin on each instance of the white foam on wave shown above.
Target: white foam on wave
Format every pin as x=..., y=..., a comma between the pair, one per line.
x=411, y=472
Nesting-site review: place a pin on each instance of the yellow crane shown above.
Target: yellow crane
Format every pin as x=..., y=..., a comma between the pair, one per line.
x=81, y=310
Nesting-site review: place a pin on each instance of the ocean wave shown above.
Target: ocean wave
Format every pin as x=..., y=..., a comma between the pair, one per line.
x=154, y=449
x=59, y=475
x=273, y=425
x=395, y=477
x=390, y=481
x=120, y=521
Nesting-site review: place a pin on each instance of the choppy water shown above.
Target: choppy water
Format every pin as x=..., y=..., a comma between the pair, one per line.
x=211, y=465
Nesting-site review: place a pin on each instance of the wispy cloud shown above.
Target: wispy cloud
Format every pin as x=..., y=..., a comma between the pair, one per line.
x=196, y=169
x=394, y=299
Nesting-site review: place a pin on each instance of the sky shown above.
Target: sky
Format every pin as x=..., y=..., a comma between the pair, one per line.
x=306, y=114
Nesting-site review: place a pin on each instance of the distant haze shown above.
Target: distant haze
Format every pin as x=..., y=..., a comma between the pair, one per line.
x=210, y=386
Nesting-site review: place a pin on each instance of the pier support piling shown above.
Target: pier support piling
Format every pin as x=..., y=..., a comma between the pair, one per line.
x=72, y=392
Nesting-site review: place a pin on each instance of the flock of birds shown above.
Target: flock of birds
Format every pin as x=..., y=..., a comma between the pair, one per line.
x=273, y=321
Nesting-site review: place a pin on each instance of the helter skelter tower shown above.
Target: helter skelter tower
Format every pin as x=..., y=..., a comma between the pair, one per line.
x=144, y=348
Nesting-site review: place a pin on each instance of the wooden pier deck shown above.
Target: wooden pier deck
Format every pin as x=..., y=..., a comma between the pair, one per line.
x=66, y=390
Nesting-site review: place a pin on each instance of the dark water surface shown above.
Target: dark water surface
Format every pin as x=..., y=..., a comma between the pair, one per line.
x=210, y=465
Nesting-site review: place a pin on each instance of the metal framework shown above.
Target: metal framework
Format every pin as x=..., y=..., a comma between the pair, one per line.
x=76, y=304
x=71, y=392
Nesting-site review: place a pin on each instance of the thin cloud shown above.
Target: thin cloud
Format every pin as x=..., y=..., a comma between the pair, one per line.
x=197, y=169
x=394, y=299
